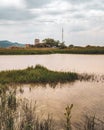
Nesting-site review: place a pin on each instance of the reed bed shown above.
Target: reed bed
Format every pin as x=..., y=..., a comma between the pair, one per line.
x=39, y=74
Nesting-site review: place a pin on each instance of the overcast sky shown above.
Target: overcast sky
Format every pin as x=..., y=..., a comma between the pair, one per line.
x=24, y=20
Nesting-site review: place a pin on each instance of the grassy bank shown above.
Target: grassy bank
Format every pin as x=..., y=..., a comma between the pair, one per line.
x=68, y=50
x=39, y=74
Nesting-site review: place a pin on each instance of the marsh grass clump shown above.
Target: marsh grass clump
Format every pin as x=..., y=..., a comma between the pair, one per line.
x=91, y=77
x=39, y=74
x=90, y=122
x=32, y=122
x=86, y=77
x=20, y=114
x=7, y=109
x=68, y=117
x=29, y=119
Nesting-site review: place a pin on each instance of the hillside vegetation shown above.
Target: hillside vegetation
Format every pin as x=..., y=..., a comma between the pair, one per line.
x=6, y=44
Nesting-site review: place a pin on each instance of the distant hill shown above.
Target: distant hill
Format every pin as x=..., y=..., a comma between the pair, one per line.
x=5, y=44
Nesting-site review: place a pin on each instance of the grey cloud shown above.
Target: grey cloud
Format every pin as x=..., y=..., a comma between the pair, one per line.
x=37, y=3
x=55, y=12
x=95, y=6
x=15, y=14
x=61, y=12
x=79, y=16
x=78, y=29
x=79, y=1
x=88, y=4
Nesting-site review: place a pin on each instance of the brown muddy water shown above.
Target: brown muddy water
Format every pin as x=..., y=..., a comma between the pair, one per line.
x=87, y=97
x=59, y=62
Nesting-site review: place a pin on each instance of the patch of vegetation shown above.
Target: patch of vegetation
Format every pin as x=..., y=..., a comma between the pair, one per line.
x=21, y=114
x=52, y=50
x=91, y=122
x=68, y=117
x=39, y=74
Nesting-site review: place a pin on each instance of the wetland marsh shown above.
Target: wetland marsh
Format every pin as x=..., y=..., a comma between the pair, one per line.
x=86, y=96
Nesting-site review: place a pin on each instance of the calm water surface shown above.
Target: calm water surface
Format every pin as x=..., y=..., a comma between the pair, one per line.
x=60, y=62
x=87, y=97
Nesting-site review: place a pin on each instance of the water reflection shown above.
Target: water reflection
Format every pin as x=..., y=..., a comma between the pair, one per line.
x=87, y=97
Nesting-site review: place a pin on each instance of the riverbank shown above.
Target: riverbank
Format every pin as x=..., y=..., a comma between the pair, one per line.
x=35, y=51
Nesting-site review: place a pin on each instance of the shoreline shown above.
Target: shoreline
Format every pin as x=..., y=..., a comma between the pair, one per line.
x=42, y=51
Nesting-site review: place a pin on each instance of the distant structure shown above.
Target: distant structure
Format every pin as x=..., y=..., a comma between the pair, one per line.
x=62, y=35
x=36, y=41
x=27, y=45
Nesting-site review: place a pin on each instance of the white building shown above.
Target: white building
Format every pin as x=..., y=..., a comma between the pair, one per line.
x=36, y=41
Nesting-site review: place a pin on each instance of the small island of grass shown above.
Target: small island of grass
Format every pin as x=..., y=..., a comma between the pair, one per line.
x=39, y=74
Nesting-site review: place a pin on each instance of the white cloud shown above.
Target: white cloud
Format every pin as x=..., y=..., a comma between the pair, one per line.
x=12, y=3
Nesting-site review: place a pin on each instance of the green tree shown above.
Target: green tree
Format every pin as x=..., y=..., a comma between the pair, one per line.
x=62, y=45
x=51, y=42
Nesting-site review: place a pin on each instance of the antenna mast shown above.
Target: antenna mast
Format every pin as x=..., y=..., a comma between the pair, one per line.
x=62, y=35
